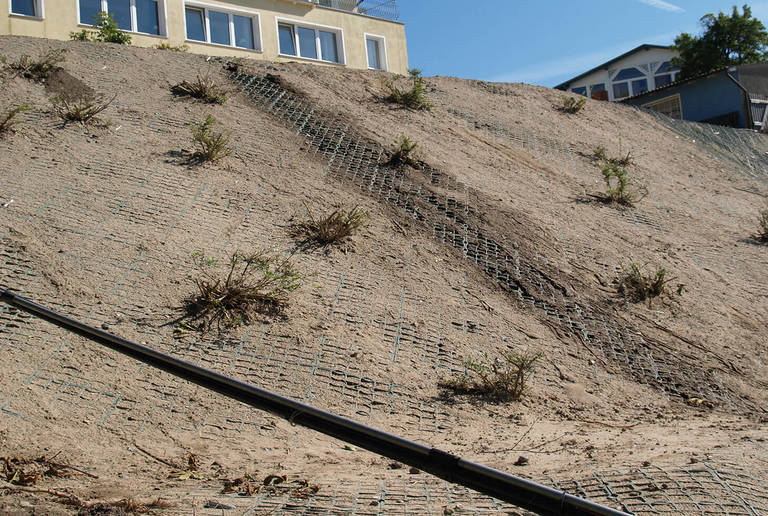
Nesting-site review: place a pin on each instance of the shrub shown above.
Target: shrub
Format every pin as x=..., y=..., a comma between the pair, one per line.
x=81, y=109
x=503, y=379
x=334, y=227
x=212, y=145
x=636, y=286
x=172, y=48
x=573, y=104
x=620, y=187
x=762, y=234
x=203, y=88
x=413, y=98
x=403, y=152
x=252, y=283
x=9, y=121
x=41, y=68
x=106, y=31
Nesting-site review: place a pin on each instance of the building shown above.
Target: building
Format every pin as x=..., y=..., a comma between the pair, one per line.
x=641, y=69
x=360, y=34
x=735, y=97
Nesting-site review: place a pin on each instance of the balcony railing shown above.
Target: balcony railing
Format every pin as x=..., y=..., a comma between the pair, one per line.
x=377, y=8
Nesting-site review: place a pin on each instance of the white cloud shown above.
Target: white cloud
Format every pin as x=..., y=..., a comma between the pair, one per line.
x=665, y=6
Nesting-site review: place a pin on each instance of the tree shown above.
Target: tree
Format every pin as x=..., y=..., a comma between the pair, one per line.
x=726, y=41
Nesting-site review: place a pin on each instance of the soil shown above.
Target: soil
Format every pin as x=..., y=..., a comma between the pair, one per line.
x=103, y=224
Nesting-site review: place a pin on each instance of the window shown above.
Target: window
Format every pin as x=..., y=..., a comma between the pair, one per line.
x=130, y=15
x=639, y=86
x=669, y=106
x=222, y=27
x=27, y=8
x=582, y=90
x=376, y=51
x=311, y=42
x=621, y=90
x=665, y=74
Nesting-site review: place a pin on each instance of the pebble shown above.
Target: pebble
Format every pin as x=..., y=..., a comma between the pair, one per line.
x=215, y=504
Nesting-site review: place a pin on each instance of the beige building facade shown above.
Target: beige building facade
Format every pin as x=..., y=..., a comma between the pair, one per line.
x=331, y=32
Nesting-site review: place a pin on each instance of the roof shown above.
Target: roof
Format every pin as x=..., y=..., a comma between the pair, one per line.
x=605, y=65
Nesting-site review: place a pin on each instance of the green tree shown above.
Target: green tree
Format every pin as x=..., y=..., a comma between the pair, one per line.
x=726, y=41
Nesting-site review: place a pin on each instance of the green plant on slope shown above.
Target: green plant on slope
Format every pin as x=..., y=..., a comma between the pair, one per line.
x=621, y=188
x=82, y=109
x=762, y=234
x=106, y=31
x=9, y=120
x=172, y=48
x=403, y=152
x=203, y=88
x=335, y=227
x=637, y=286
x=502, y=379
x=211, y=145
x=252, y=283
x=42, y=67
x=573, y=104
x=413, y=98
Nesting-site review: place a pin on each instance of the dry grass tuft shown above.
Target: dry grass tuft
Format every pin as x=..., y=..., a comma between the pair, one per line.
x=637, y=286
x=502, y=379
x=333, y=228
x=82, y=109
x=203, y=88
x=41, y=68
x=9, y=120
x=762, y=234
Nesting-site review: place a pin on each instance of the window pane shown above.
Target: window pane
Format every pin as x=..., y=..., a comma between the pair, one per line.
x=89, y=10
x=307, y=47
x=328, y=46
x=243, y=31
x=628, y=73
x=373, y=54
x=25, y=7
x=598, y=87
x=663, y=80
x=621, y=90
x=287, y=44
x=146, y=17
x=195, y=24
x=121, y=10
x=219, y=27
x=639, y=87
x=581, y=90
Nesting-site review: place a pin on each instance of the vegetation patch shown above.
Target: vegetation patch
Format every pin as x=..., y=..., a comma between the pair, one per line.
x=414, y=97
x=203, y=88
x=250, y=284
x=211, y=145
x=333, y=228
x=403, y=152
x=8, y=121
x=502, y=379
x=250, y=485
x=40, y=68
x=106, y=31
x=621, y=187
x=637, y=286
x=172, y=48
x=83, y=109
x=573, y=105
x=762, y=233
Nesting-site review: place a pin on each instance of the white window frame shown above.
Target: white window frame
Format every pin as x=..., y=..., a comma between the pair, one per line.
x=162, y=16
x=381, y=41
x=255, y=17
x=650, y=105
x=39, y=10
x=341, y=49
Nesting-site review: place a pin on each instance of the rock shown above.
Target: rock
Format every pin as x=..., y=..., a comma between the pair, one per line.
x=522, y=461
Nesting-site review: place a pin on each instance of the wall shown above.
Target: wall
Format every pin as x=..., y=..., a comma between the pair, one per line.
x=61, y=18
x=702, y=99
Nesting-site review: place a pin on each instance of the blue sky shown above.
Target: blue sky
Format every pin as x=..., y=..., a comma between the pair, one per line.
x=543, y=42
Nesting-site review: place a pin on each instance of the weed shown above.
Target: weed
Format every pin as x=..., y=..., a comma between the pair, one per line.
x=503, y=379
x=413, y=98
x=9, y=121
x=256, y=282
x=636, y=286
x=106, y=31
x=573, y=104
x=762, y=234
x=402, y=153
x=212, y=145
x=620, y=187
x=203, y=88
x=41, y=68
x=172, y=48
x=332, y=228
x=82, y=109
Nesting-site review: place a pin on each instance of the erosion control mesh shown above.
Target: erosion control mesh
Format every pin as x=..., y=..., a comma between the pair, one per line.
x=441, y=203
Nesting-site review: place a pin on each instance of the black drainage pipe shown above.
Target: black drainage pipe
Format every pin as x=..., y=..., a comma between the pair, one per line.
x=509, y=488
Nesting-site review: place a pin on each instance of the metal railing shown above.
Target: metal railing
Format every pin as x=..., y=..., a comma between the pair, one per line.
x=386, y=9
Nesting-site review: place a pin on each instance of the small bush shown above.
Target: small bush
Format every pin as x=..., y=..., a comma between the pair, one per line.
x=252, y=283
x=636, y=286
x=82, y=109
x=41, y=68
x=762, y=234
x=203, y=88
x=9, y=121
x=211, y=145
x=413, y=98
x=172, y=48
x=621, y=188
x=106, y=31
x=573, y=104
x=503, y=379
x=333, y=228
x=403, y=152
